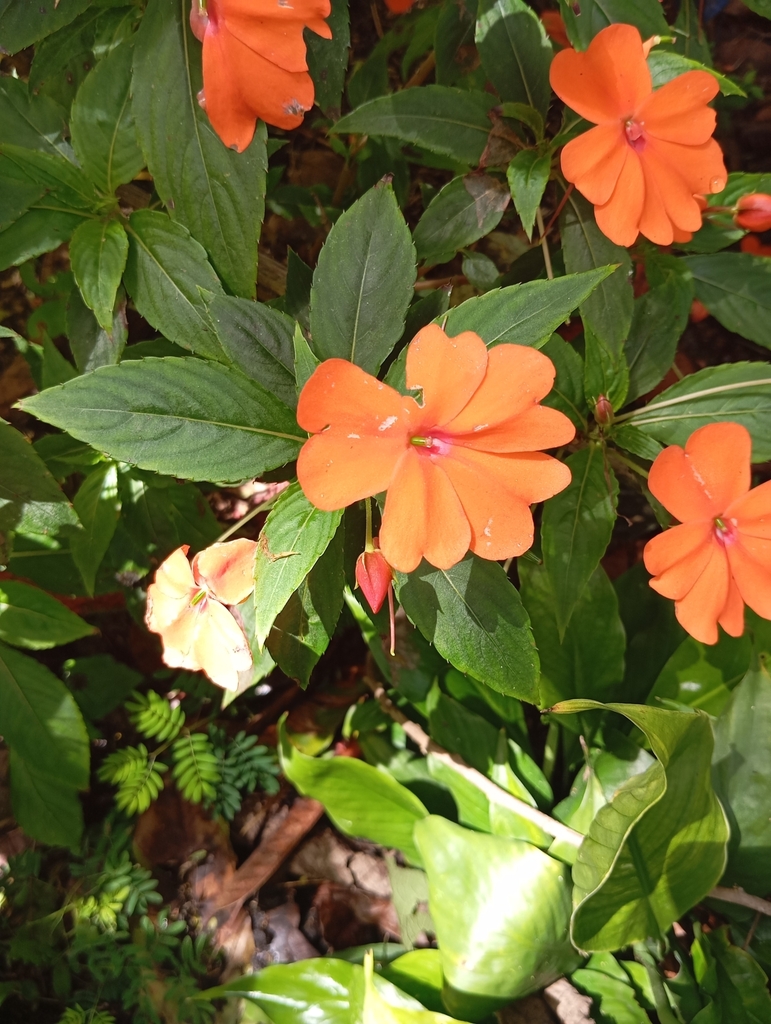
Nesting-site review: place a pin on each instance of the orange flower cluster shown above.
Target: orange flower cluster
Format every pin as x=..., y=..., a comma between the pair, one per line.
x=460, y=468
x=186, y=605
x=254, y=62
x=652, y=152
x=719, y=558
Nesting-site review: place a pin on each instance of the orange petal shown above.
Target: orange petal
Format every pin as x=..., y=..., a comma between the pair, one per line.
x=342, y=394
x=732, y=615
x=619, y=218
x=179, y=638
x=534, y=429
x=655, y=224
x=678, y=111
x=594, y=160
x=227, y=570
x=449, y=370
x=700, y=609
x=701, y=167
x=174, y=576
x=276, y=10
x=281, y=43
x=609, y=81
x=752, y=578
x=337, y=468
x=674, y=192
x=423, y=517
x=753, y=511
x=667, y=549
x=220, y=647
x=677, y=579
x=526, y=476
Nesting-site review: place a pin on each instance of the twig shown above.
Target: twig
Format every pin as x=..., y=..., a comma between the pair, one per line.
x=440, y=282
x=557, y=212
x=741, y=898
x=422, y=72
x=245, y=519
x=544, y=244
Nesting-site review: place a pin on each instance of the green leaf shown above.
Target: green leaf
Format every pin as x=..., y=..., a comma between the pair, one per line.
x=161, y=513
x=31, y=618
x=257, y=340
x=614, y=996
x=352, y=315
x=589, y=659
x=305, y=362
x=196, y=768
x=742, y=778
x=567, y=395
x=217, y=194
x=295, y=535
x=606, y=373
x=168, y=276
x=658, y=321
x=102, y=122
x=91, y=345
x=515, y=52
x=634, y=441
x=32, y=121
x=34, y=233
x=44, y=805
x=524, y=314
x=98, y=507
x=30, y=499
x=665, y=65
x=736, y=289
x=188, y=418
x=451, y=122
x=23, y=22
x=65, y=184
x=98, y=252
x=760, y=7
x=16, y=198
x=40, y=720
x=702, y=676
x=463, y=211
x=303, y=628
x=739, y=392
x=576, y=528
x=659, y=846
x=494, y=949
x=55, y=368
x=453, y=40
x=328, y=60
x=474, y=617
x=99, y=683
x=608, y=308
x=528, y=176
x=739, y=986
x=359, y=799
x=419, y=972
x=595, y=15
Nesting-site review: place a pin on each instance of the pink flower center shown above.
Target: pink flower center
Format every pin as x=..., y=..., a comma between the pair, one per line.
x=431, y=445
x=198, y=598
x=725, y=530
x=635, y=134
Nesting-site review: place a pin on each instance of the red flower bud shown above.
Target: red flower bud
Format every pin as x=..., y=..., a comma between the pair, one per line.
x=374, y=575
x=753, y=212
x=699, y=312
x=603, y=411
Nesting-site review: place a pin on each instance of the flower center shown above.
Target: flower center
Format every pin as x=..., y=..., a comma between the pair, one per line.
x=635, y=133
x=200, y=596
x=431, y=445
x=725, y=530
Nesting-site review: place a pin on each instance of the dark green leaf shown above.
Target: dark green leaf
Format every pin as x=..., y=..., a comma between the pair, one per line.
x=161, y=514
x=31, y=618
x=760, y=7
x=735, y=986
x=515, y=52
x=30, y=498
x=736, y=289
x=187, y=418
x=98, y=252
x=299, y=280
x=739, y=392
x=34, y=233
x=65, y=184
x=328, y=60
x=23, y=22
x=91, y=345
x=567, y=395
x=452, y=122
x=576, y=529
x=214, y=192
x=528, y=175
x=608, y=309
x=605, y=371
x=35, y=122
x=99, y=683
x=453, y=41
x=463, y=211
x=634, y=441
x=16, y=198
x=296, y=534
x=45, y=806
x=614, y=996
x=98, y=507
x=102, y=122
x=474, y=617
x=595, y=15
x=305, y=362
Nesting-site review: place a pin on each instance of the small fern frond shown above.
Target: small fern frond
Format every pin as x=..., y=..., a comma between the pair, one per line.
x=77, y=1015
x=154, y=716
x=137, y=777
x=196, y=768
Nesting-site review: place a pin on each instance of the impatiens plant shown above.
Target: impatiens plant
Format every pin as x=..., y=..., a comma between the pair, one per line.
x=456, y=312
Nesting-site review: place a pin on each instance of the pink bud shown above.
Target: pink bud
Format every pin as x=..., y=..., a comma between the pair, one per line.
x=199, y=20
x=603, y=411
x=753, y=212
x=373, y=574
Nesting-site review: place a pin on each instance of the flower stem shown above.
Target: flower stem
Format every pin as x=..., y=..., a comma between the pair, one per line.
x=368, y=543
x=245, y=519
x=544, y=244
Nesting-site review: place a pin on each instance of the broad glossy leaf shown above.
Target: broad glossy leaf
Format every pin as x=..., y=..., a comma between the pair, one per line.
x=597, y=781
x=614, y=996
x=742, y=778
x=463, y=211
x=608, y=309
x=734, y=984
x=359, y=799
x=258, y=341
x=474, y=617
x=567, y=394
x=418, y=972
x=736, y=289
x=30, y=499
x=187, y=418
x=23, y=22
x=595, y=15
x=524, y=314
x=453, y=41
x=16, y=198
x=166, y=275
x=91, y=345
x=35, y=122
x=451, y=122
x=31, y=618
x=576, y=528
x=40, y=720
x=216, y=193
x=328, y=60
x=665, y=65
x=701, y=675
x=494, y=949
x=589, y=658
x=102, y=122
x=353, y=316
x=659, y=846
x=34, y=233
x=98, y=506
x=295, y=535
x=739, y=392
x=515, y=52
x=528, y=175
x=45, y=805
x=98, y=251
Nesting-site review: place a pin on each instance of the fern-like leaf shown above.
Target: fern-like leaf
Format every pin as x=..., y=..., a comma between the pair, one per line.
x=196, y=768
x=136, y=775
x=243, y=766
x=154, y=716
x=77, y=1015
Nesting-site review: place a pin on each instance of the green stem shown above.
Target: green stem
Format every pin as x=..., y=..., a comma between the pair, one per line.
x=244, y=520
x=368, y=542
x=642, y=956
x=632, y=465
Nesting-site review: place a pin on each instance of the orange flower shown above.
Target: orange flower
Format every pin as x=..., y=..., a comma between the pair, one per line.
x=651, y=152
x=555, y=27
x=753, y=212
x=254, y=62
x=755, y=246
x=187, y=607
x=461, y=468
x=719, y=558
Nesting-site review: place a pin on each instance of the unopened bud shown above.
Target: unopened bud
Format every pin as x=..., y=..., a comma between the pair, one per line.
x=199, y=21
x=603, y=411
x=374, y=576
x=753, y=212
x=699, y=312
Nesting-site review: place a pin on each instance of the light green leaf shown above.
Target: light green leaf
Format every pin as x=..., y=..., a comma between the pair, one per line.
x=187, y=418
x=31, y=618
x=30, y=499
x=463, y=211
x=515, y=52
x=665, y=65
x=702, y=676
x=98, y=507
x=528, y=176
x=98, y=252
x=736, y=289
